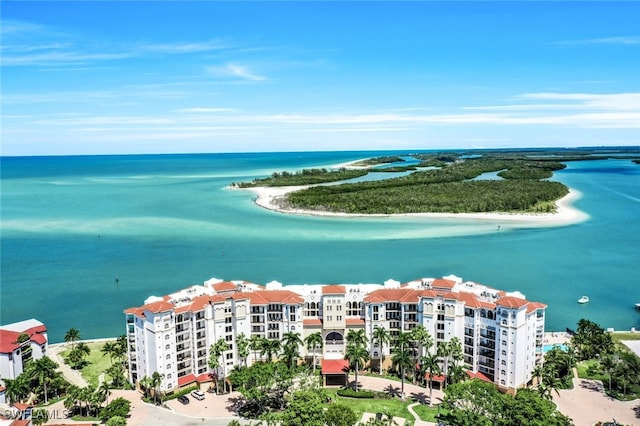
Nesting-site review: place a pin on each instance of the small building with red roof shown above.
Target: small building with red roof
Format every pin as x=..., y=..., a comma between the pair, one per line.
x=21, y=342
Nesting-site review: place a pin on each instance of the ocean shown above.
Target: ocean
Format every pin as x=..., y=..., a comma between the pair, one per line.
x=85, y=237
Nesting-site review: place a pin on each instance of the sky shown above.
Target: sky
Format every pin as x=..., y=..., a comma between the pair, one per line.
x=127, y=77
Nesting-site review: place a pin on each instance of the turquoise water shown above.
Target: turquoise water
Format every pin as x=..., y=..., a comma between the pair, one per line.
x=547, y=348
x=71, y=225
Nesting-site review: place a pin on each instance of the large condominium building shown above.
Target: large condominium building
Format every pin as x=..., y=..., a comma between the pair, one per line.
x=501, y=333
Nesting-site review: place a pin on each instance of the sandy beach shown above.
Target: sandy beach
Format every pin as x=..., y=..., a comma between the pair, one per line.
x=271, y=198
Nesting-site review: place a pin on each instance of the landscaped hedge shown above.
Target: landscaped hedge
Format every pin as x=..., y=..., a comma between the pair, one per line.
x=181, y=392
x=351, y=393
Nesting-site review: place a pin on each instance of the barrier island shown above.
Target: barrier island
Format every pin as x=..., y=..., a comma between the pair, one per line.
x=448, y=182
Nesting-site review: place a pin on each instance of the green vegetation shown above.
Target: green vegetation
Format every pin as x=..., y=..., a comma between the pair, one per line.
x=93, y=364
x=476, y=403
x=303, y=177
x=393, y=406
x=353, y=393
x=446, y=190
x=603, y=359
x=379, y=160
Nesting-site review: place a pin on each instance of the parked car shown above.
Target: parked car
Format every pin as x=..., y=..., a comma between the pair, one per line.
x=198, y=394
x=183, y=399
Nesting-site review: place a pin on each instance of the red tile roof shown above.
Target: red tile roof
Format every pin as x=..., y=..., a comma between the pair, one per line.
x=404, y=295
x=311, y=322
x=335, y=366
x=225, y=286
x=355, y=321
x=333, y=289
x=443, y=283
x=157, y=307
x=264, y=297
x=9, y=339
x=139, y=312
x=534, y=306
x=511, y=302
x=479, y=376
x=436, y=378
x=191, y=378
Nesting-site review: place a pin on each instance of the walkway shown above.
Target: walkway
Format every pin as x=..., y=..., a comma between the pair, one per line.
x=587, y=404
x=74, y=377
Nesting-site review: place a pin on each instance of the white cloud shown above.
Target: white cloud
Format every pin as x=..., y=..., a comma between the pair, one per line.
x=235, y=70
x=186, y=47
x=622, y=40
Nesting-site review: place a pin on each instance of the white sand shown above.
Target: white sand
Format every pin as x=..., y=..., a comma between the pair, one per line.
x=271, y=197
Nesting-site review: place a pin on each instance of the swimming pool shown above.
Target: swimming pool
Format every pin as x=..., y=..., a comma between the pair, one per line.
x=547, y=348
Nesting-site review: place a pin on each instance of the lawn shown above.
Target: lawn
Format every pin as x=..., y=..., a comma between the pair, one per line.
x=617, y=336
x=394, y=406
x=96, y=362
x=426, y=413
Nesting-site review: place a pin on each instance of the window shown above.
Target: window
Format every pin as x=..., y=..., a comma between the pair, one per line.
x=168, y=366
x=168, y=356
x=169, y=376
x=166, y=337
x=167, y=347
x=376, y=317
x=329, y=318
x=339, y=318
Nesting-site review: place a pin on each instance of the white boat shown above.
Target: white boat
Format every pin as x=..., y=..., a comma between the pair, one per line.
x=583, y=299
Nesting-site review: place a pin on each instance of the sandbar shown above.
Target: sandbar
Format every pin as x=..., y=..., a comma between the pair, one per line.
x=271, y=198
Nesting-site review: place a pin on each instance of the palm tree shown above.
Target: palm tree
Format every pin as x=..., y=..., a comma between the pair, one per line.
x=243, y=347
x=456, y=355
x=145, y=382
x=431, y=366
x=444, y=352
x=314, y=341
x=110, y=349
x=269, y=348
x=215, y=352
x=608, y=363
x=255, y=344
x=402, y=359
x=421, y=337
x=18, y=389
x=356, y=351
x=290, y=343
x=71, y=336
x=380, y=337
x=103, y=391
x=156, y=382
x=43, y=370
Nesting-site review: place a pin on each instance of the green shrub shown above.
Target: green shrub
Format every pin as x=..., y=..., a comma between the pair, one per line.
x=351, y=393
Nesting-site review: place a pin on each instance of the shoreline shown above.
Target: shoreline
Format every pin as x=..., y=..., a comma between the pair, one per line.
x=269, y=198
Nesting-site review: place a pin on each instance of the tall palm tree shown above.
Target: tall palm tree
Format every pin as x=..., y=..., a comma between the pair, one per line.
x=43, y=370
x=357, y=352
x=18, y=389
x=110, y=349
x=156, y=382
x=456, y=355
x=243, y=347
x=291, y=341
x=104, y=391
x=145, y=382
x=444, y=352
x=380, y=337
x=71, y=336
x=431, y=366
x=314, y=341
x=270, y=348
x=255, y=344
x=402, y=359
x=421, y=337
x=215, y=352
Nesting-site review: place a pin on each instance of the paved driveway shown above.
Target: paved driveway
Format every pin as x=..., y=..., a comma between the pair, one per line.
x=587, y=404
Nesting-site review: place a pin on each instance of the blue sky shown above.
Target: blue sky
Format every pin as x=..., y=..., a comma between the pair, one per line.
x=165, y=77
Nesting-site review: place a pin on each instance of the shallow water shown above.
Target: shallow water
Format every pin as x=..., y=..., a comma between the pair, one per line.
x=71, y=225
